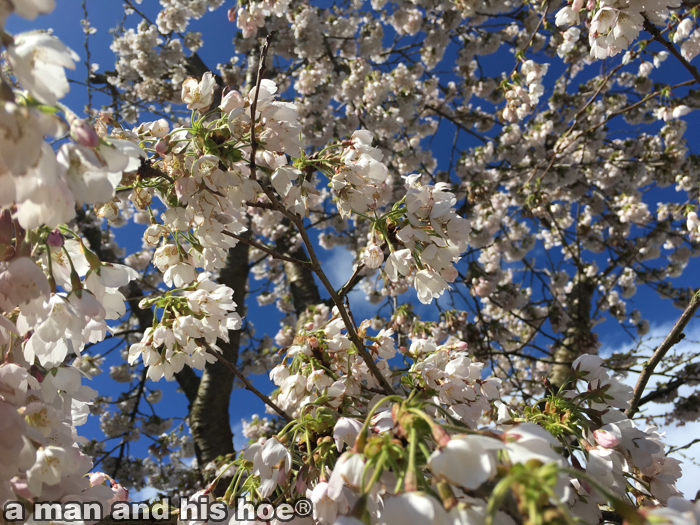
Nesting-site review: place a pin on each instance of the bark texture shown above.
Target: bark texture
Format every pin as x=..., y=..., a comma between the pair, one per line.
x=579, y=337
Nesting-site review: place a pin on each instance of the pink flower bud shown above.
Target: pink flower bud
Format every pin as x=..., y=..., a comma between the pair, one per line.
x=121, y=494
x=55, y=239
x=309, y=326
x=281, y=477
x=232, y=14
x=161, y=147
x=83, y=133
x=606, y=439
x=21, y=488
x=300, y=484
x=97, y=478
x=577, y=5
x=441, y=437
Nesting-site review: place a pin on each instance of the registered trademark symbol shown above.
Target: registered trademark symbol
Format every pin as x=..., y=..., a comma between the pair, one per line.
x=303, y=507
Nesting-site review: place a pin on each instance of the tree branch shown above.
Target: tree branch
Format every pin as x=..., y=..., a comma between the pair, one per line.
x=656, y=33
x=662, y=390
x=299, y=223
x=254, y=105
x=348, y=286
x=132, y=419
x=244, y=379
x=268, y=251
x=354, y=337
x=673, y=338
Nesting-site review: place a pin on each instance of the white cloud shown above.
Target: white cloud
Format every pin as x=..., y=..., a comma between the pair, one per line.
x=239, y=440
x=145, y=494
x=338, y=265
x=675, y=436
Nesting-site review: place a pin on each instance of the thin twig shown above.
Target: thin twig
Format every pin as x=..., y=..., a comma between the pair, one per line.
x=454, y=121
x=673, y=338
x=662, y=391
x=268, y=251
x=337, y=301
x=354, y=337
x=687, y=445
x=532, y=36
x=348, y=286
x=87, y=56
x=254, y=105
x=561, y=141
x=654, y=31
x=248, y=385
x=299, y=223
x=132, y=419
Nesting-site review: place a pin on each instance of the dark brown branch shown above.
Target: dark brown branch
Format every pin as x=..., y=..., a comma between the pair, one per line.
x=263, y=205
x=301, y=280
x=354, y=337
x=348, y=286
x=132, y=419
x=662, y=390
x=656, y=33
x=268, y=251
x=683, y=447
x=189, y=383
x=254, y=105
x=248, y=384
x=673, y=338
x=337, y=300
x=299, y=223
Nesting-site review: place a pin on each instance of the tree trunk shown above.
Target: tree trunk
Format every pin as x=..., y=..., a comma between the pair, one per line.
x=209, y=417
x=578, y=338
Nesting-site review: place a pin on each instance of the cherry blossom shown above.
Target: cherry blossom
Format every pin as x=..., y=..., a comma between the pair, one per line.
x=541, y=227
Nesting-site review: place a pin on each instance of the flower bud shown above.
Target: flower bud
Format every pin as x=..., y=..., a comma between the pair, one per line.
x=121, y=493
x=55, y=239
x=7, y=229
x=300, y=483
x=441, y=437
x=161, y=147
x=606, y=439
x=97, y=478
x=83, y=133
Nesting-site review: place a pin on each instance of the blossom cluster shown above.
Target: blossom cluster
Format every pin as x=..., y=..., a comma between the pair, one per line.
x=365, y=436
x=353, y=472
x=56, y=296
x=615, y=25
